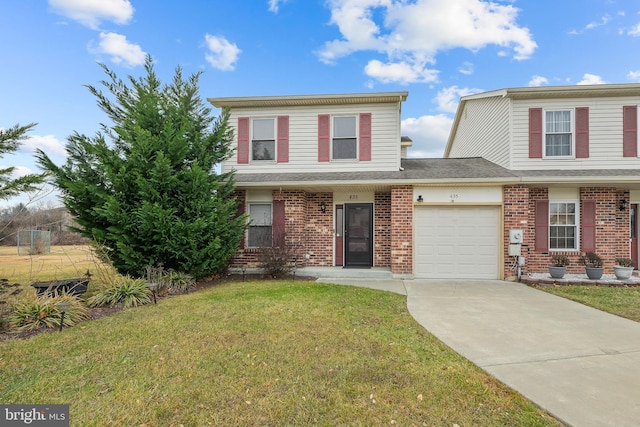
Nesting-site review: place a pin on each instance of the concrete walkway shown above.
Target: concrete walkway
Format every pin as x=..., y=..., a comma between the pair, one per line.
x=580, y=364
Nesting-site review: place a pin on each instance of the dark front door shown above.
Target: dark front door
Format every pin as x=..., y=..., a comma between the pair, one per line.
x=358, y=235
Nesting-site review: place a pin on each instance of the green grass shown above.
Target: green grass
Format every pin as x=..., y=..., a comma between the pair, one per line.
x=622, y=301
x=264, y=354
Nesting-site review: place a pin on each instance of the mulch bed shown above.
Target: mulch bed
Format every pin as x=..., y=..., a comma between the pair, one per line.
x=99, y=312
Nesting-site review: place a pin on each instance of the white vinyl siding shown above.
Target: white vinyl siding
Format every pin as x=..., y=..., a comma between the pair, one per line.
x=303, y=139
x=605, y=134
x=483, y=130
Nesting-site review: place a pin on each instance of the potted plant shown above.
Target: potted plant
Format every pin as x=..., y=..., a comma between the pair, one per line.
x=592, y=265
x=558, y=266
x=623, y=268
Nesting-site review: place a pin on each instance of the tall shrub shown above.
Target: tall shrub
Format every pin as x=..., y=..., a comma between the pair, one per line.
x=145, y=188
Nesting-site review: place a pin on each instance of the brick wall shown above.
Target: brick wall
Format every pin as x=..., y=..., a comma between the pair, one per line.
x=382, y=231
x=516, y=216
x=612, y=227
x=319, y=230
x=402, y=230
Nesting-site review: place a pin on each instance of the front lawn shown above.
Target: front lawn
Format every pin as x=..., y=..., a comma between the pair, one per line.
x=622, y=301
x=259, y=353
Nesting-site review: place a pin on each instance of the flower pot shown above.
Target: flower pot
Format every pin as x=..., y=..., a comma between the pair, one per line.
x=623, y=273
x=557, y=272
x=594, y=273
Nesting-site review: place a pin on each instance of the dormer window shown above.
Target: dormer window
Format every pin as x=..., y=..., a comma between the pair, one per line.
x=558, y=133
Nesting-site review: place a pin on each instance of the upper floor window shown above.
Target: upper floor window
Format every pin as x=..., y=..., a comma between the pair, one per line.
x=344, y=145
x=558, y=133
x=563, y=226
x=263, y=140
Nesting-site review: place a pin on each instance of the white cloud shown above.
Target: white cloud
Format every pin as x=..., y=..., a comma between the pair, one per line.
x=429, y=135
x=591, y=79
x=538, y=81
x=449, y=98
x=47, y=143
x=603, y=21
x=635, y=31
x=91, y=12
x=401, y=72
x=222, y=54
x=466, y=69
x=119, y=49
x=274, y=5
x=634, y=75
x=414, y=33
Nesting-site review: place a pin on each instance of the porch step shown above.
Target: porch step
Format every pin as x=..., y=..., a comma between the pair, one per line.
x=331, y=272
x=351, y=273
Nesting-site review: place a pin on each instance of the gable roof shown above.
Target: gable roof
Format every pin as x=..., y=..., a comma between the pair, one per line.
x=307, y=100
x=438, y=172
x=414, y=171
x=544, y=92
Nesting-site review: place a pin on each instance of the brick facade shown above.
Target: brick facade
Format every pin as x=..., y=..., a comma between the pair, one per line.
x=311, y=231
x=612, y=227
x=402, y=230
x=382, y=230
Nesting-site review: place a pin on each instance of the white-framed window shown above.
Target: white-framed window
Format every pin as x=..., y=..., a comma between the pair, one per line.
x=259, y=233
x=563, y=225
x=344, y=138
x=263, y=139
x=559, y=133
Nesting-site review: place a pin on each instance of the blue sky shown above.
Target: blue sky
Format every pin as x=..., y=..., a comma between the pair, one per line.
x=437, y=50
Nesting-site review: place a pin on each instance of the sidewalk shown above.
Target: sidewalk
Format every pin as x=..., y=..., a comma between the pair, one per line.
x=580, y=364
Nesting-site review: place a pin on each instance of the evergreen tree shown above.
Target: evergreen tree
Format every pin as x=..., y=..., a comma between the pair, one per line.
x=145, y=188
x=9, y=143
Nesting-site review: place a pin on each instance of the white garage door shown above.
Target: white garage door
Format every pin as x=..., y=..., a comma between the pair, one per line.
x=459, y=242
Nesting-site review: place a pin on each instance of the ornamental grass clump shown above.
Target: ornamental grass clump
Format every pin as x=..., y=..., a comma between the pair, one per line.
x=46, y=312
x=130, y=292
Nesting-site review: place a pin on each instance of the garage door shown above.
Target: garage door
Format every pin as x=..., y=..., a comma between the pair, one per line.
x=457, y=242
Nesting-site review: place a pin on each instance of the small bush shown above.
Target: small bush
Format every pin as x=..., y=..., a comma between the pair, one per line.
x=559, y=260
x=130, y=292
x=278, y=260
x=624, y=262
x=44, y=312
x=590, y=259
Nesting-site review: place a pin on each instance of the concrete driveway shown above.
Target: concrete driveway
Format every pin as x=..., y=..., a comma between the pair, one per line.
x=580, y=364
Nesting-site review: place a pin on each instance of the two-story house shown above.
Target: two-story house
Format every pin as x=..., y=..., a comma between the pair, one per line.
x=330, y=175
x=574, y=151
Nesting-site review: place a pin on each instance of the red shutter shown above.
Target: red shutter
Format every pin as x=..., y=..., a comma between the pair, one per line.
x=240, y=212
x=588, y=231
x=324, y=137
x=535, y=133
x=582, y=132
x=542, y=225
x=243, y=139
x=630, y=131
x=365, y=136
x=278, y=224
x=283, y=139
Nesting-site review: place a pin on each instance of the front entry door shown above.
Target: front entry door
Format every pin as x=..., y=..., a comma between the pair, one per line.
x=358, y=235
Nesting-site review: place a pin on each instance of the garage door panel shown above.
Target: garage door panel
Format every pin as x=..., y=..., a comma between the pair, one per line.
x=457, y=242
